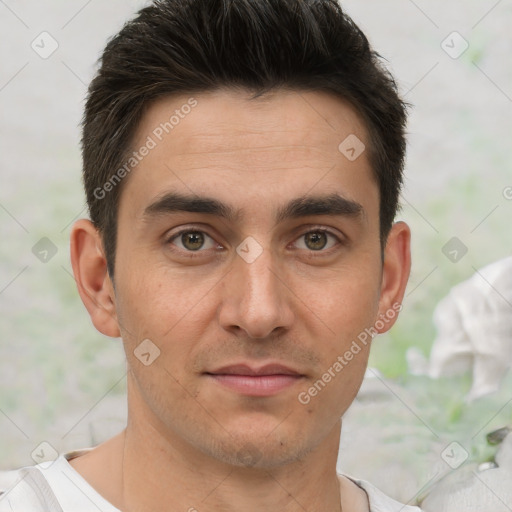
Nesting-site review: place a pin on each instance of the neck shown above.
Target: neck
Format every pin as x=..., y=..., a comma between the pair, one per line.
x=162, y=475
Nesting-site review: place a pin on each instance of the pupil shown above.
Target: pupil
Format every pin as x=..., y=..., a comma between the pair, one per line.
x=195, y=239
x=316, y=239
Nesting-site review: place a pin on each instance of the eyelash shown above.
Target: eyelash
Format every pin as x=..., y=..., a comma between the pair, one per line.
x=312, y=253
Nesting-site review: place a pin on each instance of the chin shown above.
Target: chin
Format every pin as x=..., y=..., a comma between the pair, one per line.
x=262, y=449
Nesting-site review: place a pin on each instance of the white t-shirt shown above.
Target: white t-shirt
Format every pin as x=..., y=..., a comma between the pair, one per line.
x=57, y=487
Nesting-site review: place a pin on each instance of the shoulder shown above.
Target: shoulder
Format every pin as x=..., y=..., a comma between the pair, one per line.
x=380, y=502
x=52, y=486
x=7, y=480
x=25, y=490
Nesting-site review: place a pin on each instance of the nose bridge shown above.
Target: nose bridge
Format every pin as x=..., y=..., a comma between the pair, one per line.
x=260, y=278
x=256, y=297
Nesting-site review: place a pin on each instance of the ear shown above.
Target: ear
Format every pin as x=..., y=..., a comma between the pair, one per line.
x=92, y=279
x=395, y=274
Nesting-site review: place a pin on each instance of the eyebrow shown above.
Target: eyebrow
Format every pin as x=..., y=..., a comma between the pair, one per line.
x=332, y=204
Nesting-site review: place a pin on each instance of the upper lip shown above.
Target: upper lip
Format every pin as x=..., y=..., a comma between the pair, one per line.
x=245, y=369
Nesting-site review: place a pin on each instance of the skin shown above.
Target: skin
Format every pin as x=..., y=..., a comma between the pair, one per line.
x=191, y=441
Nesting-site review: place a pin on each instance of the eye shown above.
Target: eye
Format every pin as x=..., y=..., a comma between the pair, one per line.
x=192, y=240
x=195, y=241
x=317, y=240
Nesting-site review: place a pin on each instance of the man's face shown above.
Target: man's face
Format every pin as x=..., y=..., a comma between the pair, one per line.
x=253, y=290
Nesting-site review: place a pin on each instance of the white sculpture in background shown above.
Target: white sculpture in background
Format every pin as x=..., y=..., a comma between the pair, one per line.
x=474, y=326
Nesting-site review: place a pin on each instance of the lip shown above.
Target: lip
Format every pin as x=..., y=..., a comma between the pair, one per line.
x=266, y=380
x=245, y=369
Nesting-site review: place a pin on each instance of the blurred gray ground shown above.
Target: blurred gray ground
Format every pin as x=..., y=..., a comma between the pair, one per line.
x=62, y=382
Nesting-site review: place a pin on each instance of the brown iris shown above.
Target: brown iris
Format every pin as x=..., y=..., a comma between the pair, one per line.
x=317, y=239
x=192, y=240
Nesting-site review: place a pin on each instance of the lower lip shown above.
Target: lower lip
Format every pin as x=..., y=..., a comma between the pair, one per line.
x=256, y=385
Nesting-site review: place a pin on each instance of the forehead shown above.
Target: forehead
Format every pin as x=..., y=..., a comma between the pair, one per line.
x=227, y=143
x=229, y=117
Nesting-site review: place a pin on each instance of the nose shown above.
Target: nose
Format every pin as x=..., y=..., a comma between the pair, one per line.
x=256, y=297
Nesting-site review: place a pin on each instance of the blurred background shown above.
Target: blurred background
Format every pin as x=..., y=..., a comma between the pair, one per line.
x=63, y=383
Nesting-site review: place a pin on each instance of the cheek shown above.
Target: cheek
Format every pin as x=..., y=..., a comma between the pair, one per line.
x=347, y=306
x=151, y=307
x=329, y=396
x=151, y=300
x=171, y=310
x=347, y=301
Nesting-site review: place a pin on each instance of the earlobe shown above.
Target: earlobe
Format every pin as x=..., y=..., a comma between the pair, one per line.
x=92, y=279
x=395, y=275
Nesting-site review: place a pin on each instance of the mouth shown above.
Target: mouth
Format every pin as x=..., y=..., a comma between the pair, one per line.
x=267, y=380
